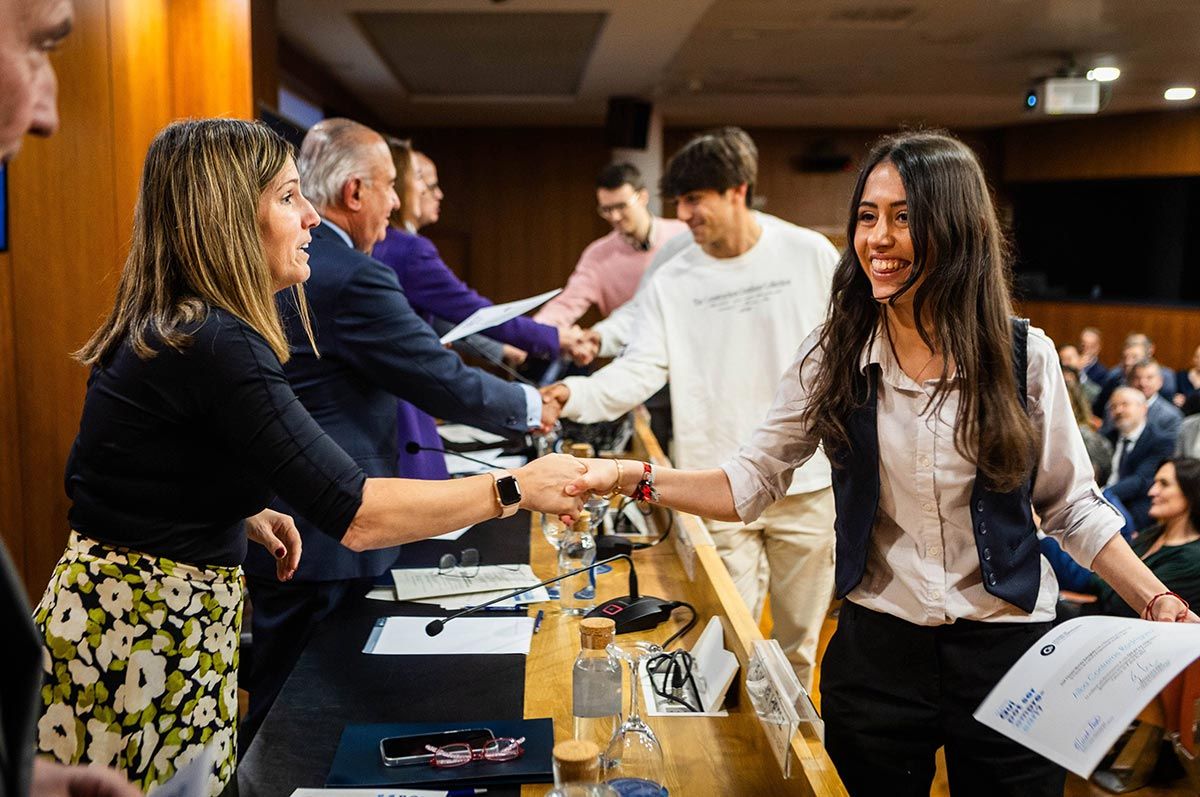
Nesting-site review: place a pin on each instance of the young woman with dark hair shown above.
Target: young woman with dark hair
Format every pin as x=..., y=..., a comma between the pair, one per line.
x=946, y=419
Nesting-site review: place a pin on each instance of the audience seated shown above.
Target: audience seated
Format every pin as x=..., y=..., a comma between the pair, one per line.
x=1137, y=347
x=1170, y=547
x=1089, y=352
x=1100, y=450
x=1139, y=449
x=1187, y=383
x=1071, y=359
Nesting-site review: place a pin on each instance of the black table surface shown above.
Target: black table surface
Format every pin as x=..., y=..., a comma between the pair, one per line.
x=335, y=684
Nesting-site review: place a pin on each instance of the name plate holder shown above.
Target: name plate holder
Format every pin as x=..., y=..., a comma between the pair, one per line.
x=780, y=701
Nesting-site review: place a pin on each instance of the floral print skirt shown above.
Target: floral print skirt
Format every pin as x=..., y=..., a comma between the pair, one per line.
x=140, y=663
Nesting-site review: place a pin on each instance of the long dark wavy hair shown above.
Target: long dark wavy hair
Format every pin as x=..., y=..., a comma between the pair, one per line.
x=960, y=290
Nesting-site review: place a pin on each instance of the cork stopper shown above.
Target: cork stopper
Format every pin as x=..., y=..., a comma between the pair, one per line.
x=595, y=633
x=582, y=450
x=583, y=522
x=577, y=761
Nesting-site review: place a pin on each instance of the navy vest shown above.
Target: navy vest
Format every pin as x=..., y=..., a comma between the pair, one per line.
x=1005, y=535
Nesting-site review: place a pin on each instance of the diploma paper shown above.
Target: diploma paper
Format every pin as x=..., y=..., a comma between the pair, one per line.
x=496, y=314
x=1071, y=695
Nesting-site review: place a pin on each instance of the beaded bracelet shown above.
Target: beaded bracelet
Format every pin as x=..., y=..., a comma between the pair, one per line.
x=1147, y=613
x=645, y=491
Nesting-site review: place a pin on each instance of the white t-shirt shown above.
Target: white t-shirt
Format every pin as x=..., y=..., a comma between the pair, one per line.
x=723, y=331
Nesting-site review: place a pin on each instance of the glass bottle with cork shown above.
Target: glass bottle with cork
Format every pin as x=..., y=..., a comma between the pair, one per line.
x=577, y=771
x=596, y=683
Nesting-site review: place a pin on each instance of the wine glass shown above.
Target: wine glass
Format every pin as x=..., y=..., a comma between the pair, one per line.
x=633, y=762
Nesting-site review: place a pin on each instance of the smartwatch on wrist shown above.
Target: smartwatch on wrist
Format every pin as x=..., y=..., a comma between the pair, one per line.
x=508, y=492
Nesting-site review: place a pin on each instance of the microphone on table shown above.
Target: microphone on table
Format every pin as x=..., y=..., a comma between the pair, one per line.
x=412, y=447
x=632, y=612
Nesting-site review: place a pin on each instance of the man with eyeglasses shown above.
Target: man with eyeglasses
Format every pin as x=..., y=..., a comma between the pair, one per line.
x=610, y=268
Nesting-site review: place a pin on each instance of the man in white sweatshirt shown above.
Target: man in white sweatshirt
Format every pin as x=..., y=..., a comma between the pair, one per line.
x=722, y=319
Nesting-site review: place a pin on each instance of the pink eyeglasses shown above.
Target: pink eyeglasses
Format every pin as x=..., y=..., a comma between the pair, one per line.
x=456, y=755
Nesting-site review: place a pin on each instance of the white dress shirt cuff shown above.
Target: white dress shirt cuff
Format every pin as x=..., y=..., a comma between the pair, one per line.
x=533, y=407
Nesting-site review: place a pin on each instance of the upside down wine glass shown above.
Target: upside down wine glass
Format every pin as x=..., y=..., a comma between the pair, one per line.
x=633, y=762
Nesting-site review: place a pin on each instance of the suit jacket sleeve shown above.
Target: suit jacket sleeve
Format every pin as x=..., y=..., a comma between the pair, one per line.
x=381, y=336
x=432, y=288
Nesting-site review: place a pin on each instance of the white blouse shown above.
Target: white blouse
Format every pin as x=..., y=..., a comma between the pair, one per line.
x=922, y=564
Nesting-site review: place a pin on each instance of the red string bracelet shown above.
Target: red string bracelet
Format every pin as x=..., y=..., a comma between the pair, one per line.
x=1147, y=613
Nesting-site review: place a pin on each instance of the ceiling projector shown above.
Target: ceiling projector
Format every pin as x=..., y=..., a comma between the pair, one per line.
x=1064, y=95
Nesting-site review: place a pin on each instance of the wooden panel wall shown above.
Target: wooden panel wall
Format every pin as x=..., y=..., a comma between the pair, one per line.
x=129, y=67
x=1138, y=145
x=519, y=202
x=1174, y=330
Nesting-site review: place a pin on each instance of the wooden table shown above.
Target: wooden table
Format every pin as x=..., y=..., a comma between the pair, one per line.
x=704, y=755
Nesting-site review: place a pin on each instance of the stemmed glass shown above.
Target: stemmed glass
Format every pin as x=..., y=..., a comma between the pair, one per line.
x=633, y=762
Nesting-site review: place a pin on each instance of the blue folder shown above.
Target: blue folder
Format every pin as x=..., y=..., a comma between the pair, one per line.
x=357, y=761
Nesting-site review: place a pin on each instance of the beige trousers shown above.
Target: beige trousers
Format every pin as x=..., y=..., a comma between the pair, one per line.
x=788, y=554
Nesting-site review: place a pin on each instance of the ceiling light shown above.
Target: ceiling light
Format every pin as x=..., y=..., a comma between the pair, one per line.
x=1179, y=93
x=1104, y=74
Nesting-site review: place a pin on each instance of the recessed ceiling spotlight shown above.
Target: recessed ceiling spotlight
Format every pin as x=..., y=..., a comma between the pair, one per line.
x=1179, y=93
x=1104, y=74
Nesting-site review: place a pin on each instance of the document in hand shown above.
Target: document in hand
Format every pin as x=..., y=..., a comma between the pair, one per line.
x=1072, y=694
x=496, y=314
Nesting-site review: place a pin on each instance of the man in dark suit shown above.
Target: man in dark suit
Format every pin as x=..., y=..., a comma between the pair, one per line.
x=1161, y=413
x=373, y=349
x=1138, y=451
x=29, y=30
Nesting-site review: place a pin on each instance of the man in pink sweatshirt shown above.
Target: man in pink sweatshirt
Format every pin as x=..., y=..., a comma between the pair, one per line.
x=610, y=268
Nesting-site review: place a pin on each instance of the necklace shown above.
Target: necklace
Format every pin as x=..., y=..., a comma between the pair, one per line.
x=887, y=328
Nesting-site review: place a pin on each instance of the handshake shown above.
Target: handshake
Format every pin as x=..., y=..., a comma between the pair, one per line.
x=557, y=484
x=581, y=345
x=554, y=398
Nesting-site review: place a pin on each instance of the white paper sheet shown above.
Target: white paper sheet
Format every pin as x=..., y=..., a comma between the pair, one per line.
x=488, y=317
x=453, y=535
x=387, y=791
x=456, y=602
x=405, y=636
x=462, y=434
x=418, y=583
x=494, y=458
x=1072, y=694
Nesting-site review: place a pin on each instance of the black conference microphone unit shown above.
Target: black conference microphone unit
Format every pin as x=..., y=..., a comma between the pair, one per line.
x=632, y=612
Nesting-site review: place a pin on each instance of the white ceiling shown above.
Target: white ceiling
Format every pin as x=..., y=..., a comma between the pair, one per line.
x=794, y=63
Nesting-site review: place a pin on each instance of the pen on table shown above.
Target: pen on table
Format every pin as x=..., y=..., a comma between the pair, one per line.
x=465, y=792
x=537, y=621
x=501, y=608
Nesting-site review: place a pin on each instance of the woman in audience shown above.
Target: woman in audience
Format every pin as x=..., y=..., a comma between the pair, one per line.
x=188, y=428
x=1171, y=547
x=941, y=442
x=1099, y=448
x=1187, y=385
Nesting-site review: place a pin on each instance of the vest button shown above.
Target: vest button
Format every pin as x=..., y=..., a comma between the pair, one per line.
x=982, y=527
x=987, y=554
x=979, y=506
x=992, y=579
